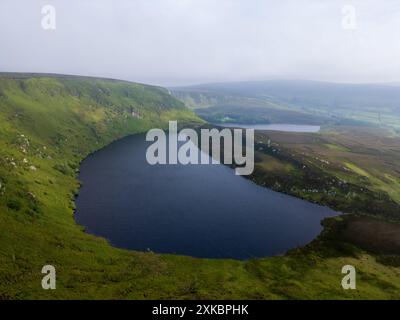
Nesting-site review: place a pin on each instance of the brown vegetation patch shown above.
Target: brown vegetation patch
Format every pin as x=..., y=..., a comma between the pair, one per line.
x=372, y=234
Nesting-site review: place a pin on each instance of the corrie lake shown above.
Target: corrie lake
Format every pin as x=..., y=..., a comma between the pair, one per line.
x=197, y=210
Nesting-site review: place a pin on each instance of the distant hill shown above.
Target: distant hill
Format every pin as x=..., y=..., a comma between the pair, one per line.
x=306, y=93
x=363, y=103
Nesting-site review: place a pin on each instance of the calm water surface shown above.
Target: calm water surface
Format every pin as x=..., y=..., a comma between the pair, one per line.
x=275, y=127
x=196, y=210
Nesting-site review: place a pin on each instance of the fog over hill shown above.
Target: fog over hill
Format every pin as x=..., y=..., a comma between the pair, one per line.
x=295, y=101
x=304, y=93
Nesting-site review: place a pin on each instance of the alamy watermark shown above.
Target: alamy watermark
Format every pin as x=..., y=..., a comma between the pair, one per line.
x=237, y=148
x=349, y=20
x=49, y=280
x=349, y=280
x=48, y=21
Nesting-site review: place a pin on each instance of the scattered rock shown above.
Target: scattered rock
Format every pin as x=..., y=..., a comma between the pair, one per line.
x=32, y=195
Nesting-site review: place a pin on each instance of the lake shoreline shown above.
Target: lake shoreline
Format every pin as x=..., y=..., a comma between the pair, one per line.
x=281, y=127
x=119, y=246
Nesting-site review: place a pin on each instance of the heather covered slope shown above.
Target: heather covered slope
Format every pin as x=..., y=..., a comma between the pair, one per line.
x=48, y=124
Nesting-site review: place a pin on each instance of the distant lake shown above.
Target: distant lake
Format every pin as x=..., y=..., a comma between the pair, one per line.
x=276, y=127
x=196, y=210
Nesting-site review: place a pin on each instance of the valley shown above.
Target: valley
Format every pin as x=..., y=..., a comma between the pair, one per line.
x=295, y=102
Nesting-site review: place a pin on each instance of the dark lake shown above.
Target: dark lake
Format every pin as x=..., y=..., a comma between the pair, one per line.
x=197, y=210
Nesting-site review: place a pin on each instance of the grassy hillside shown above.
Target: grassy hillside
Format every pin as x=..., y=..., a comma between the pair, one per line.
x=47, y=126
x=350, y=169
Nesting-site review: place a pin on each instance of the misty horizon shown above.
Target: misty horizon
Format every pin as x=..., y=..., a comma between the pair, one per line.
x=178, y=43
x=197, y=84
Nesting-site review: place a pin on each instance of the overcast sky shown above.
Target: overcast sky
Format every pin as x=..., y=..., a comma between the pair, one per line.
x=176, y=42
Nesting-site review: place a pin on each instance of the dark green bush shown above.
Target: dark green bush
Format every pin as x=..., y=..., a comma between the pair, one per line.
x=14, y=204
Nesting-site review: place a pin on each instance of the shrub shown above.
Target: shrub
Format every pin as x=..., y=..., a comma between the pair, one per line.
x=14, y=204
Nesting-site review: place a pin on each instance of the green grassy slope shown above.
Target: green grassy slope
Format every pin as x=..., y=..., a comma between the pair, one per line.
x=47, y=126
x=350, y=169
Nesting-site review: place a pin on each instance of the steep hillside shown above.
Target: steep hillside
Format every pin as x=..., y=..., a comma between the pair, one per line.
x=48, y=124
